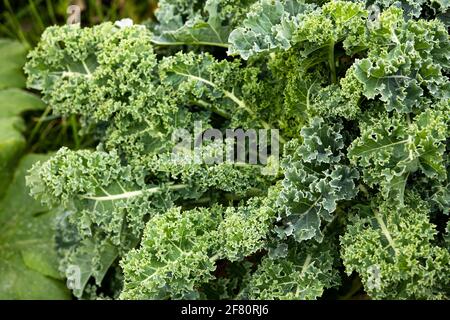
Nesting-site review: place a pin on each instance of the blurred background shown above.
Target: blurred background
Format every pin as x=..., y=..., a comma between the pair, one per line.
x=25, y=20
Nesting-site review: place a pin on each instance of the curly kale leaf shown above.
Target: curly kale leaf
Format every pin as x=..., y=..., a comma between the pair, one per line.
x=283, y=24
x=180, y=249
x=109, y=203
x=302, y=273
x=202, y=80
x=389, y=150
x=414, y=8
x=338, y=100
x=315, y=181
x=92, y=71
x=147, y=217
x=187, y=23
x=407, y=64
x=393, y=250
x=441, y=193
x=268, y=25
x=108, y=76
x=245, y=229
x=175, y=257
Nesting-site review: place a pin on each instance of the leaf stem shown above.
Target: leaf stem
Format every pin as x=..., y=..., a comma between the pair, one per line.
x=204, y=104
x=332, y=62
x=199, y=43
x=74, y=126
x=38, y=125
x=385, y=231
x=133, y=194
x=306, y=264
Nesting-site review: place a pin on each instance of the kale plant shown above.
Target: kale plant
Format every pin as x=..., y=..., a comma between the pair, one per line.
x=360, y=193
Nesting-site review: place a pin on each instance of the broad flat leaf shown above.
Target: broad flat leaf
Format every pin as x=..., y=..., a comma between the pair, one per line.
x=14, y=101
x=12, y=144
x=12, y=59
x=28, y=259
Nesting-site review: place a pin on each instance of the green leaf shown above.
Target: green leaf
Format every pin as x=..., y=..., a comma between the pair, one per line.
x=411, y=62
x=245, y=229
x=388, y=150
x=393, y=250
x=85, y=59
x=303, y=273
x=28, y=259
x=147, y=217
x=195, y=31
x=12, y=144
x=414, y=8
x=12, y=59
x=175, y=257
x=13, y=102
x=202, y=77
x=88, y=259
x=314, y=181
x=283, y=24
x=268, y=25
x=197, y=23
x=447, y=236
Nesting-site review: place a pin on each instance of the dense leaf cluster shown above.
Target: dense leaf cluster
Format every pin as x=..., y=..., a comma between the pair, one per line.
x=361, y=99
